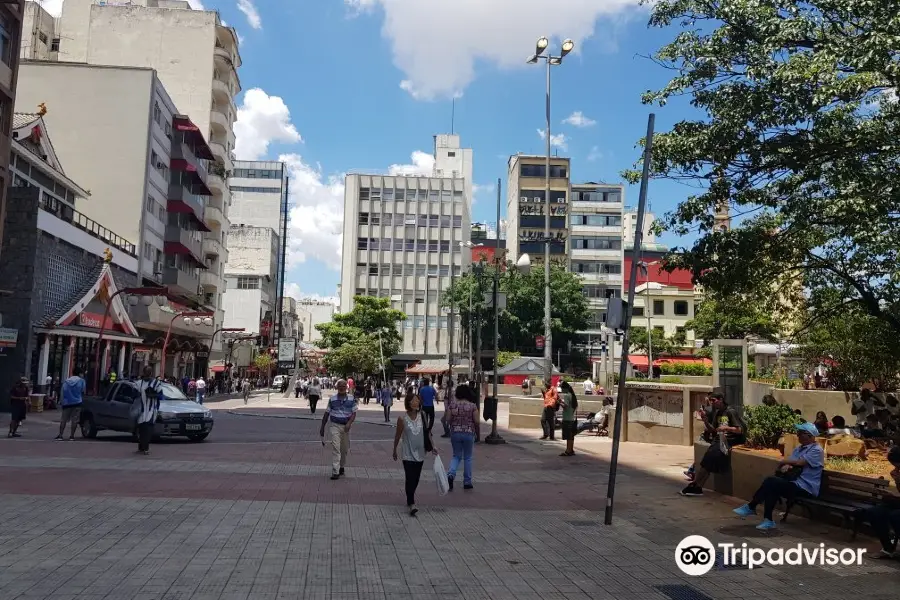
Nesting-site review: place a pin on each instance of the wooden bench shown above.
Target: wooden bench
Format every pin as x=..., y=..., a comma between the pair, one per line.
x=845, y=495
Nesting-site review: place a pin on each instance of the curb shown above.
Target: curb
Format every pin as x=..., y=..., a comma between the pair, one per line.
x=241, y=413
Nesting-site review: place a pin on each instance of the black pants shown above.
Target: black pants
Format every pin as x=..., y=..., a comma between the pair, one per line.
x=883, y=519
x=413, y=472
x=548, y=422
x=145, y=432
x=772, y=489
x=296, y=393
x=313, y=400
x=387, y=413
x=429, y=416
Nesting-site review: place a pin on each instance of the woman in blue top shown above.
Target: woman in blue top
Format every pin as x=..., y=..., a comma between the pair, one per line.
x=386, y=399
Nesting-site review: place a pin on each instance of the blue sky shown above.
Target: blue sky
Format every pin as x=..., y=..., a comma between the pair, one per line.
x=332, y=86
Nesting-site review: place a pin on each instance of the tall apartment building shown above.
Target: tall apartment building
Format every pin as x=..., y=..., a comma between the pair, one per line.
x=250, y=277
x=596, y=249
x=11, y=12
x=525, y=207
x=120, y=134
x=402, y=237
x=195, y=55
x=629, y=228
x=259, y=198
x=40, y=34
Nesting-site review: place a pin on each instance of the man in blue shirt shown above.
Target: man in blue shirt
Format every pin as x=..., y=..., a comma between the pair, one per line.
x=427, y=394
x=72, y=398
x=797, y=476
x=339, y=417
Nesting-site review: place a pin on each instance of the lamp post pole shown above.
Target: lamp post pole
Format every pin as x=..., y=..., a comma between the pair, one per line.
x=567, y=46
x=200, y=315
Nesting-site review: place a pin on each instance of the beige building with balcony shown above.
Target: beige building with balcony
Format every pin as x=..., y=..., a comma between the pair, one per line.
x=251, y=294
x=195, y=56
x=525, y=207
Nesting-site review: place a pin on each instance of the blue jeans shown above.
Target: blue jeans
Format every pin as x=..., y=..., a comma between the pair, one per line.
x=462, y=443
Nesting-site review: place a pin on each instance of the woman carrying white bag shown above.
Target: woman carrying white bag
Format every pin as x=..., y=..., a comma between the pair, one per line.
x=415, y=441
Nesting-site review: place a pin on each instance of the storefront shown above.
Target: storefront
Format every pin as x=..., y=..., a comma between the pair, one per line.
x=70, y=338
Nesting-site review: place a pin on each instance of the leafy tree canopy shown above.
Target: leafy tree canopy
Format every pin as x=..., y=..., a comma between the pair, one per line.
x=800, y=136
x=360, y=355
x=728, y=320
x=264, y=362
x=369, y=318
x=661, y=344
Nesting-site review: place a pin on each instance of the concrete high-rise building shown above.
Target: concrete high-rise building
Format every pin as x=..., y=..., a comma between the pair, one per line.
x=312, y=313
x=595, y=242
x=629, y=228
x=402, y=237
x=525, y=207
x=11, y=12
x=250, y=276
x=259, y=198
x=195, y=56
x=40, y=34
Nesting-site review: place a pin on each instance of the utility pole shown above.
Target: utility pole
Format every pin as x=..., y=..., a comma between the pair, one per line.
x=629, y=311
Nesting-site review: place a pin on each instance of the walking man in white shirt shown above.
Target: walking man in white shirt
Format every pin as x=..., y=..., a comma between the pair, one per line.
x=149, y=389
x=588, y=387
x=201, y=389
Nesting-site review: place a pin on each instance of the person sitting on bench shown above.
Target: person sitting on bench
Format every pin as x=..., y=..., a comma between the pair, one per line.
x=599, y=419
x=886, y=515
x=798, y=476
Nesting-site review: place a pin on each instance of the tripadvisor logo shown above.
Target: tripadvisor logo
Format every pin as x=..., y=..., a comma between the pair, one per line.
x=695, y=555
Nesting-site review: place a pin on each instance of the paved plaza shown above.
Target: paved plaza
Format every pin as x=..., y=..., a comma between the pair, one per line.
x=251, y=514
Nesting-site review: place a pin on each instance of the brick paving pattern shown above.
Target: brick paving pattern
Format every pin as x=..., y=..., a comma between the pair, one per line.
x=250, y=514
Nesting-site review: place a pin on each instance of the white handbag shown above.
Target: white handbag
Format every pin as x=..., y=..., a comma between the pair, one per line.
x=440, y=476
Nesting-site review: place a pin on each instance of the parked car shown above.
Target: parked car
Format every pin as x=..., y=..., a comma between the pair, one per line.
x=278, y=381
x=118, y=410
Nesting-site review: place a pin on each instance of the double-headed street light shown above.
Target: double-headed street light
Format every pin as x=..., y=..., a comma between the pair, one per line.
x=196, y=319
x=567, y=46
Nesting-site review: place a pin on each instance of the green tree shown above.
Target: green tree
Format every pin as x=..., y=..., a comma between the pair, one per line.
x=798, y=136
x=523, y=318
x=730, y=320
x=370, y=317
x=661, y=343
x=504, y=357
x=264, y=362
x=360, y=355
x=856, y=347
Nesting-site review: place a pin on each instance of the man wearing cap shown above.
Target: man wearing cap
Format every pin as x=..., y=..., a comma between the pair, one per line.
x=797, y=476
x=339, y=416
x=729, y=431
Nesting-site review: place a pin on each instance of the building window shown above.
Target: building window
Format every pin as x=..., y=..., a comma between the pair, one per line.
x=259, y=174
x=54, y=45
x=457, y=221
x=596, y=220
x=363, y=218
x=638, y=311
x=254, y=190
x=151, y=205
x=451, y=154
x=681, y=308
x=157, y=112
x=43, y=37
x=363, y=193
x=373, y=269
x=6, y=37
x=248, y=283
x=362, y=243
x=596, y=243
x=387, y=195
x=541, y=171
x=659, y=307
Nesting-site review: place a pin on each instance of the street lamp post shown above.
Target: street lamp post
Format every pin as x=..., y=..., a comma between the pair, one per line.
x=645, y=267
x=146, y=295
x=567, y=46
x=195, y=318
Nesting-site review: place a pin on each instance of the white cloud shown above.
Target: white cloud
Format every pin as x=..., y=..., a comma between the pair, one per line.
x=261, y=120
x=578, y=119
x=481, y=189
x=559, y=140
x=594, y=154
x=249, y=9
x=316, y=215
x=422, y=164
x=54, y=7
x=293, y=290
x=437, y=43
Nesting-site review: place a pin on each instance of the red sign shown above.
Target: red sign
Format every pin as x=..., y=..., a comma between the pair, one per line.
x=94, y=321
x=539, y=342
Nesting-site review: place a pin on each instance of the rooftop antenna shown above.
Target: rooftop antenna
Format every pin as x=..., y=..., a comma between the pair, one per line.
x=453, y=116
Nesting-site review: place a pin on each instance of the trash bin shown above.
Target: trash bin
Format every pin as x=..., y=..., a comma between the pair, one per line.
x=490, y=408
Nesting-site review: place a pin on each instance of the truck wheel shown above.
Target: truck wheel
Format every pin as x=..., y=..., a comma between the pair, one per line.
x=88, y=428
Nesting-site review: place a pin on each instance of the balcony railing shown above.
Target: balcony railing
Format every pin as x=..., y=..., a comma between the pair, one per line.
x=86, y=224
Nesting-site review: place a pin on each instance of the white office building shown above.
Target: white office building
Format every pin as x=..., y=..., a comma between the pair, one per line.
x=402, y=237
x=596, y=248
x=629, y=228
x=195, y=56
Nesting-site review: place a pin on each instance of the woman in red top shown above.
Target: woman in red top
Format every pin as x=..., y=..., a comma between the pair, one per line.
x=461, y=417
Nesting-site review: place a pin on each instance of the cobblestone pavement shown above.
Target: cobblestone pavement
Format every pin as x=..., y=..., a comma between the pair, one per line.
x=251, y=514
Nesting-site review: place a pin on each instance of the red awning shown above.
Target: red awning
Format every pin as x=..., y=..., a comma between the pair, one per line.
x=199, y=185
x=218, y=369
x=181, y=207
x=179, y=248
